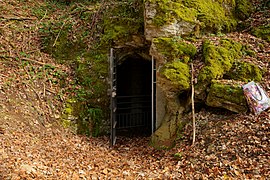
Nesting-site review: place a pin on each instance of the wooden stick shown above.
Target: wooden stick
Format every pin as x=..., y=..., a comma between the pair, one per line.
x=27, y=59
x=192, y=104
x=4, y=75
x=16, y=18
x=59, y=33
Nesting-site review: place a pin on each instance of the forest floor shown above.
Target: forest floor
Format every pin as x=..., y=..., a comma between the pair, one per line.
x=33, y=145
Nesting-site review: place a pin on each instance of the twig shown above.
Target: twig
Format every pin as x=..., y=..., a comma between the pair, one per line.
x=34, y=92
x=3, y=75
x=192, y=104
x=41, y=19
x=59, y=33
x=96, y=16
x=50, y=91
x=16, y=18
x=44, y=90
x=25, y=59
x=34, y=61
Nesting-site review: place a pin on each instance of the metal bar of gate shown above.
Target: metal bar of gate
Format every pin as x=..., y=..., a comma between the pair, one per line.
x=113, y=98
x=152, y=97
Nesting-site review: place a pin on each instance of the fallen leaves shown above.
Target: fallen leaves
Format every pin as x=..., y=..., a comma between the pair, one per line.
x=239, y=149
x=228, y=146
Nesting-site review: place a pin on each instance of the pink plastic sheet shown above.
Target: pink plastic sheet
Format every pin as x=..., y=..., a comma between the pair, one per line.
x=257, y=98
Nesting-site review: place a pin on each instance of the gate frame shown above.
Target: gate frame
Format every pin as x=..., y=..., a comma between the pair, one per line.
x=113, y=93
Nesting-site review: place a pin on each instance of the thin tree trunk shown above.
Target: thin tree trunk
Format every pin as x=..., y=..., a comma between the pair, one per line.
x=192, y=104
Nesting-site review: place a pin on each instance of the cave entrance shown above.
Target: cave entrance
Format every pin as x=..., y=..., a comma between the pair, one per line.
x=132, y=96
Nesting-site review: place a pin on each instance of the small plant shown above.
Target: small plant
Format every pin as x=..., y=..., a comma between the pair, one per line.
x=178, y=155
x=96, y=116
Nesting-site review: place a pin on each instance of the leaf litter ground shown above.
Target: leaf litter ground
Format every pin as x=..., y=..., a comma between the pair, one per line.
x=34, y=146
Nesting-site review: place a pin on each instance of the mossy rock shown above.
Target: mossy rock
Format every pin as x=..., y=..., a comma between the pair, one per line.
x=243, y=9
x=122, y=21
x=245, y=71
x=219, y=60
x=169, y=15
x=68, y=118
x=178, y=73
x=262, y=32
x=174, y=48
x=167, y=11
x=228, y=95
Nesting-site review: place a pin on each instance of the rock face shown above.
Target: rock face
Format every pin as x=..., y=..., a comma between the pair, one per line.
x=166, y=22
x=181, y=18
x=228, y=95
x=218, y=61
x=173, y=77
x=174, y=28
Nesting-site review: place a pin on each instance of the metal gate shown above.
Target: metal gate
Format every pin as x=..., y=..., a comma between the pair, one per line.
x=133, y=111
x=113, y=97
x=130, y=111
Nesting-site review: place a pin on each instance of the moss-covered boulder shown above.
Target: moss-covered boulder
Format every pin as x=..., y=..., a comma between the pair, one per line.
x=122, y=22
x=165, y=18
x=218, y=60
x=262, y=32
x=245, y=71
x=243, y=9
x=178, y=74
x=168, y=49
x=228, y=95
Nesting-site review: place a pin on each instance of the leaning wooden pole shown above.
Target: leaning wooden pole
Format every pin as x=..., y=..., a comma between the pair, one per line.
x=192, y=104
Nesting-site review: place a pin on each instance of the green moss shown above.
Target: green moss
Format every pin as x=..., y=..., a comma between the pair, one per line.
x=243, y=9
x=175, y=48
x=178, y=73
x=262, y=32
x=208, y=73
x=178, y=155
x=234, y=47
x=232, y=93
x=211, y=15
x=168, y=10
x=245, y=71
x=227, y=95
x=121, y=21
x=248, y=51
x=180, y=130
x=68, y=115
x=219, y=60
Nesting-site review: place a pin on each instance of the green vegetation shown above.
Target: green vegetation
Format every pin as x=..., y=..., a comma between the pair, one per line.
x=175, y=48
x=178, y=73
x=243, y=9
x=122, y=19
x=79, y=37
x=210, y=15
x=262, y=32
x=229, y=92
x=167, y=10
x=218, y=59
x=245, y=71
x=68, y=119
x=178, y=156
x=226, y=95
